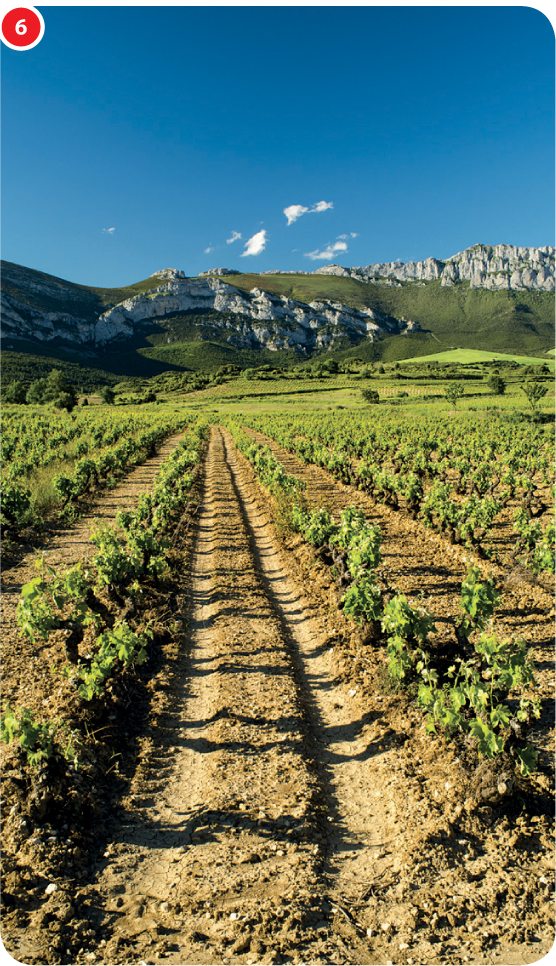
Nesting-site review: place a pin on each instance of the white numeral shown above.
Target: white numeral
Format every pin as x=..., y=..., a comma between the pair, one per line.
x=20, y=27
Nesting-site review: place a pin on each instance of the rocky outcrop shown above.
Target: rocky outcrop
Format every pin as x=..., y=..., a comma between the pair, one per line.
x=298, y=323
x=254, y=320
x=220, y=271
x=168, y=273
x=493, y=267
x=21, y=321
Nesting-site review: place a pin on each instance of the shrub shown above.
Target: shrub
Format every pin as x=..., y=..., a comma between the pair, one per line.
x=66, y=400
x=496, y=384
x=108, y=395
x=15, y=392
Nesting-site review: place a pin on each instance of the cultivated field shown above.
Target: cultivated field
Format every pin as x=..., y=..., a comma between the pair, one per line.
x=280, y=689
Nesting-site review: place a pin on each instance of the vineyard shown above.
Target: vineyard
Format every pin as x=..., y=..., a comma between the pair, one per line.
x=278, y=687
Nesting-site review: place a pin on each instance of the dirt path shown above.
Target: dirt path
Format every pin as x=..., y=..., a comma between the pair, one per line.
x=226, y=852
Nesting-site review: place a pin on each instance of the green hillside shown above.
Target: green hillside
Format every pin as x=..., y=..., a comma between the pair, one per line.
x=450, y=318
x=63, y=296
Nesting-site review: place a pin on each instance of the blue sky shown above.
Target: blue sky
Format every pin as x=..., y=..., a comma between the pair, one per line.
x=139, y=138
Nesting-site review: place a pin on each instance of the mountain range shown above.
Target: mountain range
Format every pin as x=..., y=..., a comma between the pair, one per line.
x=496, y=297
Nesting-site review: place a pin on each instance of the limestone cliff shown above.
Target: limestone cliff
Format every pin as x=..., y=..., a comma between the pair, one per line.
x=493, y=267
x=295, y=324
x=254, y=320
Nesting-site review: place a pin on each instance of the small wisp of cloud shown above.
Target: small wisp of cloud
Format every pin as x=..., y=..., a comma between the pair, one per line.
x=208, y=250
x=234, y=237
x=340, y=245
x=293, y=212
x=109, y=231
x=255, y=245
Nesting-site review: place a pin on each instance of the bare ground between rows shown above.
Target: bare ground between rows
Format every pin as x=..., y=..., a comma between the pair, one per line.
x=220, y=854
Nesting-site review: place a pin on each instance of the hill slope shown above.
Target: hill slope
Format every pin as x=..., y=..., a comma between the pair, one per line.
x=248, y=319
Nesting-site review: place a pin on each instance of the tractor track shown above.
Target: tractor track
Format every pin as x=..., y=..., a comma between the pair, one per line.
x=247, y=822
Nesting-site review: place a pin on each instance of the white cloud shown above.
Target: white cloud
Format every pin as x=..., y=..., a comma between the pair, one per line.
x=351, y=234
x=235, y=236
x=293, y=212
x=322, y=206
x=329, y=251
x=109, y=230
x=208, y=250
x=255, y=245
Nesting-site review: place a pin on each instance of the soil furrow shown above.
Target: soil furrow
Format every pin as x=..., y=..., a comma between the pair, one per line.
x=361, y=820
x=220, y=851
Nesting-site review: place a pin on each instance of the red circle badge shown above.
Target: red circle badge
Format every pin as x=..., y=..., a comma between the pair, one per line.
x=22, y=28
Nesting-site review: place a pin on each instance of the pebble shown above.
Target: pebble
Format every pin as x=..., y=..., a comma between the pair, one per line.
x=51, y=887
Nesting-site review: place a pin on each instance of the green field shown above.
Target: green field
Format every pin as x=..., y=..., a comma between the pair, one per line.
x=466, y=356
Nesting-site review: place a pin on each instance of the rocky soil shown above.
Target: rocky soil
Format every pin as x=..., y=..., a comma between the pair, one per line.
x=270, y=799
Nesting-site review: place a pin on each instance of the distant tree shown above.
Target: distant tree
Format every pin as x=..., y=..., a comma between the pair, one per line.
x=453, y=392
x=85, y=402
x=56, y=383
x=36, y=391
x=381, y=369
x=366, y=372
x=370, y=395
x=65, y=400
x=534, y=392
x=108, y=395
x=15, y=392
x=54, y=389
x=496, y=384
